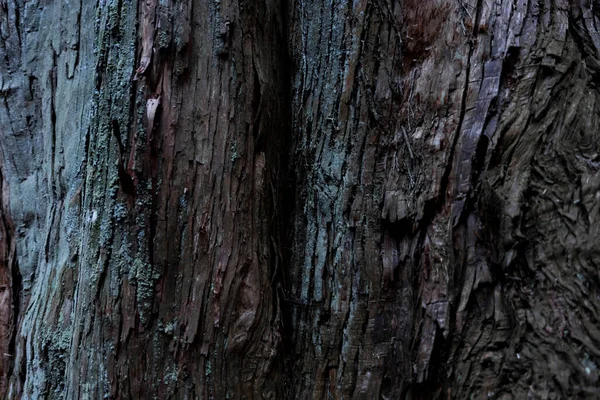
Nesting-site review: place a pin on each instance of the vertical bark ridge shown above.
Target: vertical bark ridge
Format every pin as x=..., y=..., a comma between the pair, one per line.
x=9, y=292
x=343, y=105
x=9, y=275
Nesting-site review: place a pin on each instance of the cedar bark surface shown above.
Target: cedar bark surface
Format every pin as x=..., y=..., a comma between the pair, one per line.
x=300, y=199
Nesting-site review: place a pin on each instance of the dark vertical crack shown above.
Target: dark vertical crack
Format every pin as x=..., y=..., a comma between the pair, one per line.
x=126, y=180
x=18, y=23
x=53, y=82
x=284, y=201
x=78, y=44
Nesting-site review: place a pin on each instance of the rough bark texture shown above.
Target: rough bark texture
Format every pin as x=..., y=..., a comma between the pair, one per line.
x=434, y=235
x=141, y=172
x=9, y=288
x=447, y=220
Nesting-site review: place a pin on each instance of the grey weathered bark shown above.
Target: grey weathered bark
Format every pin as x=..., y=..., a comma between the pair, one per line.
x=444, y=173
x=140, y=163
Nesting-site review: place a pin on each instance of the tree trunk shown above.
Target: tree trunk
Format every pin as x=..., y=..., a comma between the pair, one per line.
x=141, y=174
x=446, y=227
x=302, y=199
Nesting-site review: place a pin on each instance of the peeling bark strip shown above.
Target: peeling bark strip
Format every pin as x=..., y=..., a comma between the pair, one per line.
x=445, y=176
x=148, y=32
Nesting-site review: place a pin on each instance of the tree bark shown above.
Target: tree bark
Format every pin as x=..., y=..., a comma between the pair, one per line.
x=302, y=199
x=141, y=174
x=447, y=165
